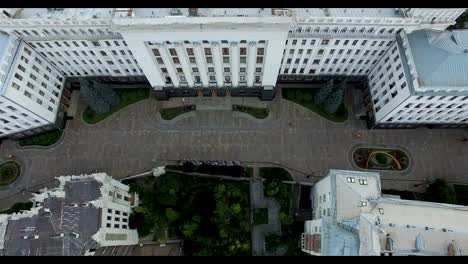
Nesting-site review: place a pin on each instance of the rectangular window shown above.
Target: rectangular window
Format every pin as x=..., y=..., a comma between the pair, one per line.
x=350, y=179
x=259, y=59
x=207, y=51
x=363, y=182
x=190, y=51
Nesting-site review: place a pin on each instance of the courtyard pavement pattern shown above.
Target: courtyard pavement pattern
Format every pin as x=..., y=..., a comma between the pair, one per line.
x=135, y=140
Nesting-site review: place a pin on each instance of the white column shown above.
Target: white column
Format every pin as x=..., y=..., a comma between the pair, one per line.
x=218, y=63
x=251, y=59
x=185, y=64
x=201, y=63
x=234, y=52
x=169, y=64
x=272, y=61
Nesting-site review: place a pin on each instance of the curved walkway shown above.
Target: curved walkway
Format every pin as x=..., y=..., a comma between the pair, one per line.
x=134, y=140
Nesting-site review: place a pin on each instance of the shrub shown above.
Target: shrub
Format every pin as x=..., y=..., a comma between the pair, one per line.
x=323, y=93
x=440, y=192
x=308, y=97
x=290, y=94
x=299, y=95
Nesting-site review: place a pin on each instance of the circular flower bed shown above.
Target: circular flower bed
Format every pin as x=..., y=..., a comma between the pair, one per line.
x=9, y=172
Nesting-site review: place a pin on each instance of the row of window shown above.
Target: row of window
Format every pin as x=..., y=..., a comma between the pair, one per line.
x=343, y=30
x=66, y=32
x=342, y=42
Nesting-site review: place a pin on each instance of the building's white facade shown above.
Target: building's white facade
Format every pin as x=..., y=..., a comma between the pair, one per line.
x=352, y=217
x=30, y=89
x=188, y=51
x=421, y=80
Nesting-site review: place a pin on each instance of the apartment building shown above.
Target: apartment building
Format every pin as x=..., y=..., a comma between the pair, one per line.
x=352, y=217
x=83, y=213
x=219, y=52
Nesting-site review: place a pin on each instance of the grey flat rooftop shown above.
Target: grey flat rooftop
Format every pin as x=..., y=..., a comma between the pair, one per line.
x=441, y=59
x=63, y=218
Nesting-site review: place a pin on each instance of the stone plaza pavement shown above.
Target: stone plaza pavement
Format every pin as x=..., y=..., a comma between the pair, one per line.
x=135, y=140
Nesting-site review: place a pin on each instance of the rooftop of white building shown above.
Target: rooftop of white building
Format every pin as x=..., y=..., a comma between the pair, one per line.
x=441, y=59
x=415, y=227
x=438, y=225
x=102, y=13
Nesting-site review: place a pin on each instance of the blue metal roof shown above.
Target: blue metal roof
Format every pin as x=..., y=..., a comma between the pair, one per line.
x=441, y=58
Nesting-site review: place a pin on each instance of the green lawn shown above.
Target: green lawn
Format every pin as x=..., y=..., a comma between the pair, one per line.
x=171, y=113
x=212, y=216
x=45, y=139
x=260, y=216
x=127, y=97
x=308, y=102
x=259, y=113
x=17, y=207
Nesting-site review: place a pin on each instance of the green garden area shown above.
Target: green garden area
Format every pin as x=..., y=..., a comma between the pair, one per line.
x=326, y=101
x=259, y=113
x=45, y=139
x=291, y=230
x=211, y=215
x=103, y=101
x=233, y=171
x=17, y=207
x=173, y=112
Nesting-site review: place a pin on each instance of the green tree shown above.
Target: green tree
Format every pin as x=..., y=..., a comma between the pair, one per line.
x=286, y=219
x=272, y=188
x=290, y=94
x=107, y=94
x=440, y=192
x=92, y=97
x=171, y=215
x=333, y=101
x=236, y=208
x=299, y=95
x=188, y=229
x=308, y=96
x=323, y=93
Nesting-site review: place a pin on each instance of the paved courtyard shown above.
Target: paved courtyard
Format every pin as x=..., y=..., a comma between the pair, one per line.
x=136, y=140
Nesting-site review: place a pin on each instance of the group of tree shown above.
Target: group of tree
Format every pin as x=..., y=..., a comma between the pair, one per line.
x=99, y=98
x=330, y=97
x=211, y=216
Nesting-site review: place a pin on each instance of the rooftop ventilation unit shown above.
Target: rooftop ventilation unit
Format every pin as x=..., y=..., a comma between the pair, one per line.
x=175, y=12
x=280, y=11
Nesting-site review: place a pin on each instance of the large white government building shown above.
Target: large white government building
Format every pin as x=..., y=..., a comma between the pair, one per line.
x=214, y=52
